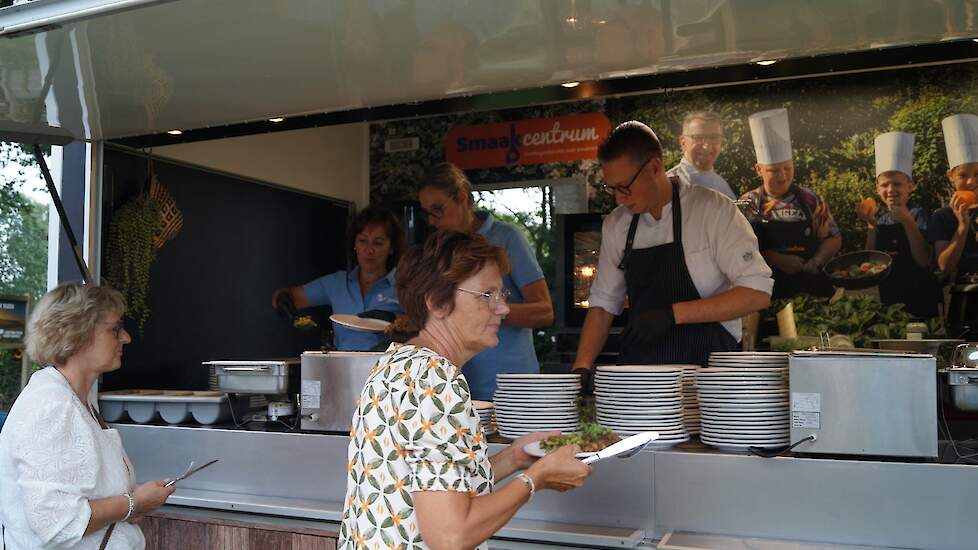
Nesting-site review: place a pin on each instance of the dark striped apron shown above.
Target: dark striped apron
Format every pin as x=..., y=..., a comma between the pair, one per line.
x=657, y=277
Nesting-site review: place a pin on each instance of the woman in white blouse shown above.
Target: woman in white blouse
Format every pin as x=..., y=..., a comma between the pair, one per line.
x=65, y=480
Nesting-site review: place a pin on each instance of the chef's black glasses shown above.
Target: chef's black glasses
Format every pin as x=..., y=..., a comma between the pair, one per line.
x=624, y=189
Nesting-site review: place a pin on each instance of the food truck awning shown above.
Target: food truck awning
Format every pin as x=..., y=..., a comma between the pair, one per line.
x=109, y=69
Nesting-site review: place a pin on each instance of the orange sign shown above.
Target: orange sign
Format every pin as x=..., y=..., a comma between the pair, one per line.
x=534, y=141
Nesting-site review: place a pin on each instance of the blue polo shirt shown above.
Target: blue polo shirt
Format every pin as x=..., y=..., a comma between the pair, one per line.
x=515, y=353
x=341, y=290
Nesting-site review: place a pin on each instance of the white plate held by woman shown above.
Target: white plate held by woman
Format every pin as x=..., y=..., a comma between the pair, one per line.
x=536, y=449
x=360, y=324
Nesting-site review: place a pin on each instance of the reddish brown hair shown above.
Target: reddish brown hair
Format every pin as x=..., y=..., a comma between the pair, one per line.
x=433, y=270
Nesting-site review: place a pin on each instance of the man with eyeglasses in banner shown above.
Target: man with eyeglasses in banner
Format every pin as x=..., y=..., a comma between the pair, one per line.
x=701, y=142
x=795, y=228
x=684, y=256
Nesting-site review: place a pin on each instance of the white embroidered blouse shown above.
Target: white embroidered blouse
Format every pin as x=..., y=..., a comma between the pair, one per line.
x=54, y=457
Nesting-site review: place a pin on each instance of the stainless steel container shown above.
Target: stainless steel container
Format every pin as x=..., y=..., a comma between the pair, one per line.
x=331, y=384
x=870, y=404
x=260, y=377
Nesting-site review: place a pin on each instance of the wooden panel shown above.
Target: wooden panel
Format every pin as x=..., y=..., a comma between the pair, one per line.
x=222, y=537
x=269, y=540
x=180, y=535
x=151, y=530
x=327, y=530
x=309, y=542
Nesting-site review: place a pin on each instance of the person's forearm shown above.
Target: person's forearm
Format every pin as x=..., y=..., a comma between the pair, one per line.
x=530, y=315
x=871, y=239
x=594, y=334
x=106, y=511
x=728, y=305
x=476, y=519
x=827, y=250
x=949, y=254
x=919, y=248
x=503, y=465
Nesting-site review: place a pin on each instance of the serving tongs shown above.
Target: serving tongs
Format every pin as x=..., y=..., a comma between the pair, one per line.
x=626, y=448
x=189, y=472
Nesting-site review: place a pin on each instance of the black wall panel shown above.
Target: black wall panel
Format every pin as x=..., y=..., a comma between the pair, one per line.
x=211, y=286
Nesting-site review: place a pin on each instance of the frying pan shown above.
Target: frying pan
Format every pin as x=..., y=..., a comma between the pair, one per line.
x=846, y=261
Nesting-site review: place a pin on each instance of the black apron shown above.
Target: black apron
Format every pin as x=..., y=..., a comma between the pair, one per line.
x=655, y=278
x=797, y=238
x=908, y=283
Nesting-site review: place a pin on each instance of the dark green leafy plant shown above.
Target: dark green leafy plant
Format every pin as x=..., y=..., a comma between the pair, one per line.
x=130, y=253
x=862, y=318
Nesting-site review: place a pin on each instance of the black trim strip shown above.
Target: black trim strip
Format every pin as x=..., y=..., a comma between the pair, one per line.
x=957, y=51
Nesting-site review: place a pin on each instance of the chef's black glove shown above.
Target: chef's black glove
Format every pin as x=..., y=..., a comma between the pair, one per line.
x=285, y=306
x=388, y=316
x=587, y=381
x=646, y=327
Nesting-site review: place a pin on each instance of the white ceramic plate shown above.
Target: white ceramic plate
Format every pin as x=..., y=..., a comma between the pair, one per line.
x=536, y=449
x=525, y=377
x=359, y=324
x=644, y=369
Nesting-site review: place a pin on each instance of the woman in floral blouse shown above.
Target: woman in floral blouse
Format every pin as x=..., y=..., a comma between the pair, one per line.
x=418, y=474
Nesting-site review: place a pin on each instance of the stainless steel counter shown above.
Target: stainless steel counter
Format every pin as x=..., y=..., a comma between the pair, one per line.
x=881, y=504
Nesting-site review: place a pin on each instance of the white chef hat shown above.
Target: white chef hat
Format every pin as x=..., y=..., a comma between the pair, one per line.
x=894, y=152
x=772, y=139
x=961, y=139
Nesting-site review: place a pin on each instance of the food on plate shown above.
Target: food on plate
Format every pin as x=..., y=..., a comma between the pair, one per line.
x=867, y=207
x=590, y=437
x=967, y=198
x=859, y=271
x=304, y=322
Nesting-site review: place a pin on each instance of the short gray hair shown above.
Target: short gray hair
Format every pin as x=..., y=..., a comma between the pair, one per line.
x=63, y=322
x=705, y=116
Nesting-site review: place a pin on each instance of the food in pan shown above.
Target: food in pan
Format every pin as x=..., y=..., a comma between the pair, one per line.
x=867, y=207
x=304, y=322
x=590, y=437
x=967, y=198
x=860, y=271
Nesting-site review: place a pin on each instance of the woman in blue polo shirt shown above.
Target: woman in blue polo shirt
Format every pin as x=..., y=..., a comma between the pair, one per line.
x=446, y=197
x=367, y=290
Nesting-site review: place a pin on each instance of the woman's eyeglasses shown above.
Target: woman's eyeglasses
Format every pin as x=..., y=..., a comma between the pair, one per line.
x=623, y=189
x=491, y=297
x=116, y=327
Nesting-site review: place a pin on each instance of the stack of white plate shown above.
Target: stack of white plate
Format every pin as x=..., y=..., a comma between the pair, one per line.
x=485, y=409
x=527, y=403
x=744, y=401
x=641, y=398
x=691, y=402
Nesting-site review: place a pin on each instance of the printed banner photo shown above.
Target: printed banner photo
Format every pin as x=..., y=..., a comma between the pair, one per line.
x=533, y=141
x=13, y=320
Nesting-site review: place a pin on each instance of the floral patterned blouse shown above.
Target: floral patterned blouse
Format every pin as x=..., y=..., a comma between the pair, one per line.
x=414, y=429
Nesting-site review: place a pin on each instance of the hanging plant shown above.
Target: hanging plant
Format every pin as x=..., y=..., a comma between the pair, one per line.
x=130, y=253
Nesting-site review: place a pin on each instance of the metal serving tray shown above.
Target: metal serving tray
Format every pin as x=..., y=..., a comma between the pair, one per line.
x=262, y=377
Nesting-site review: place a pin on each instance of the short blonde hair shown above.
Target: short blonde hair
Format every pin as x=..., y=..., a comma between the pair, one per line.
x=63, y=322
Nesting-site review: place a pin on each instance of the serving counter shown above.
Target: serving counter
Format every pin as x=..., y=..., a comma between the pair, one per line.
x=275, y=477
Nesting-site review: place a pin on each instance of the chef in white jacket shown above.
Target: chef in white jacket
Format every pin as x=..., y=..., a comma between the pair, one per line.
x=701, y=142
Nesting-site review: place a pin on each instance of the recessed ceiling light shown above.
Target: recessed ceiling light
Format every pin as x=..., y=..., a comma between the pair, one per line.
x=174, y=132
x=766, y=62
x=571, y=84
x=276, y=119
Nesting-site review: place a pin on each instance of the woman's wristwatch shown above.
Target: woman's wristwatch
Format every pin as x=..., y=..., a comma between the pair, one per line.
x=529, y=483
x=132, y=507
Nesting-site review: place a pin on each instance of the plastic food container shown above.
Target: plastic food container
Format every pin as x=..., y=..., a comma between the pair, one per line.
x=174, y=407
